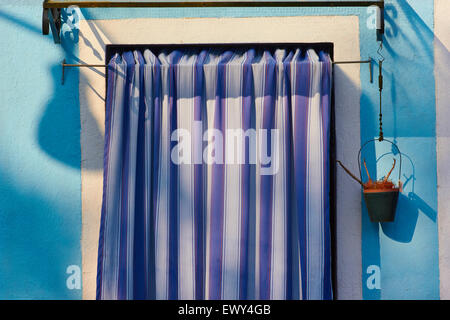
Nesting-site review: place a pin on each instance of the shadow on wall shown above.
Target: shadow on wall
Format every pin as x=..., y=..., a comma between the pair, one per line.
x=36, y=267
x=39, y=207
x=408, y=112
x=412, y=53
x=54, y=137
x=409, y=203
x=408, y=210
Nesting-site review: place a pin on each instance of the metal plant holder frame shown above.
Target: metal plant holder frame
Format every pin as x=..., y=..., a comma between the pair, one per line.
x=381, y=203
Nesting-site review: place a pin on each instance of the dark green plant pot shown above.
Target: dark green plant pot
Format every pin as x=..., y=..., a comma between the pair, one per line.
x=381, y=205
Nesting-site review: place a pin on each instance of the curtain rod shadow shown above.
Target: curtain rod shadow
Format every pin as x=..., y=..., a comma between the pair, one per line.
x=58, y=134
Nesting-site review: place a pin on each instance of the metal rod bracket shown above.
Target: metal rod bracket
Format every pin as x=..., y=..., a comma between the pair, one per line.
x=51, y=17
x=368, y=61
x=380, y=30
x=65, y=65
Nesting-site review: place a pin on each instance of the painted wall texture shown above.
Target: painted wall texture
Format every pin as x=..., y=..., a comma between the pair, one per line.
x=406, y=251
x=442, y=74
x=47, y=226
x=40, y=203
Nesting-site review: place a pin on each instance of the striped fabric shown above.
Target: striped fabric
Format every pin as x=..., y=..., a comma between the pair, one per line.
x=216, y=176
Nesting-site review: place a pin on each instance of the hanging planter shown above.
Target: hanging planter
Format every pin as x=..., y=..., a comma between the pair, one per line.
x=380, y=196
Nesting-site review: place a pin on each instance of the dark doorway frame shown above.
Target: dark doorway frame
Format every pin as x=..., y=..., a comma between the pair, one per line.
x=328, y=47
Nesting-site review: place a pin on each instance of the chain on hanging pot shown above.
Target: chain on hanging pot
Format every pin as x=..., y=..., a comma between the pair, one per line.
x=380, y=88
x=381, y=197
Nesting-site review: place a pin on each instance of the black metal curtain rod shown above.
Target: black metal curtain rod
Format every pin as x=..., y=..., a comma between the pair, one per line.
x=189, y=4
x=65, y=65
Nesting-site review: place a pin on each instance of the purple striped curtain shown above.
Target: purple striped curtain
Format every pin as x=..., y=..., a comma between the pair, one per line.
x=216, y=176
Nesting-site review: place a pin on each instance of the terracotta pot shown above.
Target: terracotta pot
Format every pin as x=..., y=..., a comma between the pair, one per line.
x=381, y=204
x=381, y=197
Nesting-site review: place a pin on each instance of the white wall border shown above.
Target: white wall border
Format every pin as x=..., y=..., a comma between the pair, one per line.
x=442, y=78
x=343, y=31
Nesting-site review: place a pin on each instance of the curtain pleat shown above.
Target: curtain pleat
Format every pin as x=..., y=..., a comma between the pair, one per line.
x=216, y=176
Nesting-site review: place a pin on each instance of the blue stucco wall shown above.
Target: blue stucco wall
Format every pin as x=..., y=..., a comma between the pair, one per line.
x=406, y=251
x=40, y=210
x=40, y=202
